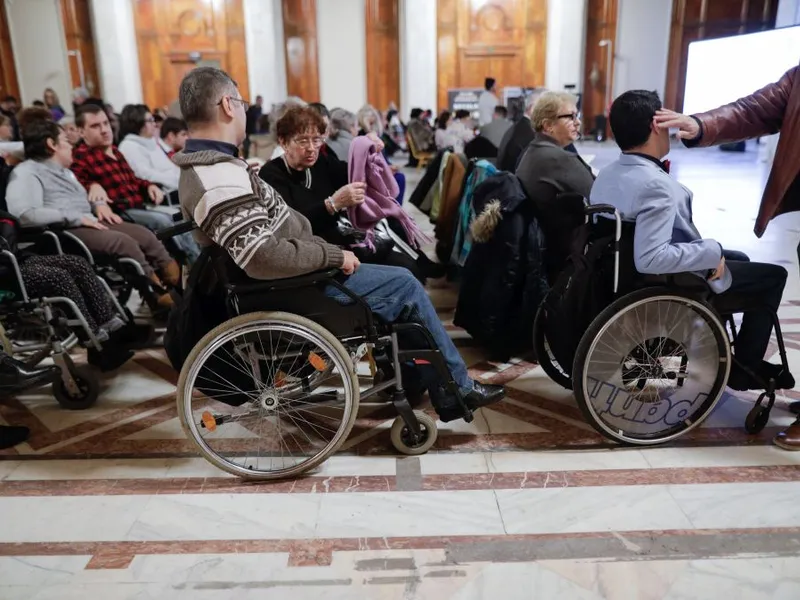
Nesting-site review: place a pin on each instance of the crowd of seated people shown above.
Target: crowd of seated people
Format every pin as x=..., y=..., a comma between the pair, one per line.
x=277, y=241
x=112, y=197
x=43, y=191
x=316, y=184
x=105, y=173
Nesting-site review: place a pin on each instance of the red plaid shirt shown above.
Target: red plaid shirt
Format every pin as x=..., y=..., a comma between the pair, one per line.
x=93, y=165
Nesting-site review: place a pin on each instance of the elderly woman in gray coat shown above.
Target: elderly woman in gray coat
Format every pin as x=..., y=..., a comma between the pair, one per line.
x=547, y=170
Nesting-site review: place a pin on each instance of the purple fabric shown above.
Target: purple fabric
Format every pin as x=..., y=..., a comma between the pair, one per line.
x=366, y=164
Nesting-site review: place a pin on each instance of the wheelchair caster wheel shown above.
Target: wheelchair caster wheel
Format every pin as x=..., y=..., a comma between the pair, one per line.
x=86, y=395
x=756, y=419
x=402, y=438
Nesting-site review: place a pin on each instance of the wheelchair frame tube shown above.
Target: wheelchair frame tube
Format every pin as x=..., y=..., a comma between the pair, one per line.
x=432, y=353
x=87, y=254
x=608, y=209
x=14, y=263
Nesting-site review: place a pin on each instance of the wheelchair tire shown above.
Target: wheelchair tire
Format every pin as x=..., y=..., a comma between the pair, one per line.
x=544, y=356
x=400, y=435
x=89, y=387
x=279, y=395
x=651, y=386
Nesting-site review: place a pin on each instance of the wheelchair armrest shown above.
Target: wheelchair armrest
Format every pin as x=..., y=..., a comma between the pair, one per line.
x=177, y=229
x=283, y=284
x=687, y=281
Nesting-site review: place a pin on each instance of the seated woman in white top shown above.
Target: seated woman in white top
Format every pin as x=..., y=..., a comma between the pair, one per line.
x=140, y=147
x=460, y=130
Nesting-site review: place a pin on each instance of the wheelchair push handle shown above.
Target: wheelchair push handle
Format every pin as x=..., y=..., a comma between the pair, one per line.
x=177, y=229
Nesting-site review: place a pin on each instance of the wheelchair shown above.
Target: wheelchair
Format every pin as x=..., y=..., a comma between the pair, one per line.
x=33, y=329
x=275, y=389
x=655, y=355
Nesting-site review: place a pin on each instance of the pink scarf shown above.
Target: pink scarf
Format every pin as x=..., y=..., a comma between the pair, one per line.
x=366, y=164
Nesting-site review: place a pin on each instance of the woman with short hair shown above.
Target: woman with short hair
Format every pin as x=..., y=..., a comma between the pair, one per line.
x=547, y=169
x=316, y=185
x=44, y=191
x=139, y=145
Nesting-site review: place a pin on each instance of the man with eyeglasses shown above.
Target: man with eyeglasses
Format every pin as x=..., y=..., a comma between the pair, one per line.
x=267, y=239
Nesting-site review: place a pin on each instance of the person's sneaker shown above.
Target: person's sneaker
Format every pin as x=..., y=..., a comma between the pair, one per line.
x=10, y=436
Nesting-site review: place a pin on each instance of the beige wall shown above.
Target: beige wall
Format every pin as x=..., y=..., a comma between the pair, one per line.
x=40, y=48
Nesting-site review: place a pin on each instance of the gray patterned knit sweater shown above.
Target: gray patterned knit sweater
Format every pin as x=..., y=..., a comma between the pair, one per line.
x=234, y=208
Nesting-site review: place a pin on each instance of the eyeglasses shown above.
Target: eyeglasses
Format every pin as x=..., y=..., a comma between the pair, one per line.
x=309, y=142
x=241, y=101
x=570, y=116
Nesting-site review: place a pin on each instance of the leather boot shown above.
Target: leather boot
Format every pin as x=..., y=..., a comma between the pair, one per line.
x=171, y=275
x=16, y=376
x=789, y=439
x=158, y=301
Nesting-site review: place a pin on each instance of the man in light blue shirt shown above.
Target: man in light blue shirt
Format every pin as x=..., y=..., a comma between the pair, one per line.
x=666, y=240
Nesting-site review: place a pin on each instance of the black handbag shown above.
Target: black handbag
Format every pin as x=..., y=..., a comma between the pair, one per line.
x=353, y=239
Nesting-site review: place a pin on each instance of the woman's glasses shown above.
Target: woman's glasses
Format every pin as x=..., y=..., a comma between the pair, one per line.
x=309, y=142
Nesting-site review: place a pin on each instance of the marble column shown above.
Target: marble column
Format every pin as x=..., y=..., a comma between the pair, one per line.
x=117, y=53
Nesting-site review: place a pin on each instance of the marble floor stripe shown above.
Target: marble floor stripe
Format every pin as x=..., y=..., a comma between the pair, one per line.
x=671, y=544
x=408, y=479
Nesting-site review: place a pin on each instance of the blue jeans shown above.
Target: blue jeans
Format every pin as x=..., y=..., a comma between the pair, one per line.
x=394, y=294
x=156, y=221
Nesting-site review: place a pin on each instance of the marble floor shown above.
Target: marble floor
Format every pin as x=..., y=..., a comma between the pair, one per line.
x=525, y=502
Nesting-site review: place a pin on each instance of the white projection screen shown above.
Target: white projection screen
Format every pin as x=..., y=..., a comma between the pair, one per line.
x=723, y=70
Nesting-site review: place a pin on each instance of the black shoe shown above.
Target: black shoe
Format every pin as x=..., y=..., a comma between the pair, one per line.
x=11, y=436
x=16, y=376
x=783, y=378
x=449, y=409
x=110, y=359
x=430, y=269
x=484, y=395
x=742, y=381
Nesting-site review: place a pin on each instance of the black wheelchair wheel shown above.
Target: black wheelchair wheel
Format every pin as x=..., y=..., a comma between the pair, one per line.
x=85, y=396
x=544, y=355
x=651, y=367
x=268, y=395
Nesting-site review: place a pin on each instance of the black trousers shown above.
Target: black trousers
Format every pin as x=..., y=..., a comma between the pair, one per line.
x=753, y=283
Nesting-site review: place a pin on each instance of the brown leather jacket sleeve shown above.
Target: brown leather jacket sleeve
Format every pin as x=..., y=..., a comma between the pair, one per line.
x=760, y=113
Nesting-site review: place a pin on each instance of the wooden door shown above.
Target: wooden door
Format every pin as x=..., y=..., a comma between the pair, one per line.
x=8, y=70
x=598, y=82
x=300, y=35
x=80, y=46
x=504, y=39
x=707, y=19
x=174, y=36
x=383, y=53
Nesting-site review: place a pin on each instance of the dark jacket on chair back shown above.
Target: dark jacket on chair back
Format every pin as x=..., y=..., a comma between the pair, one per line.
x=513, y=144
x=503, y=280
